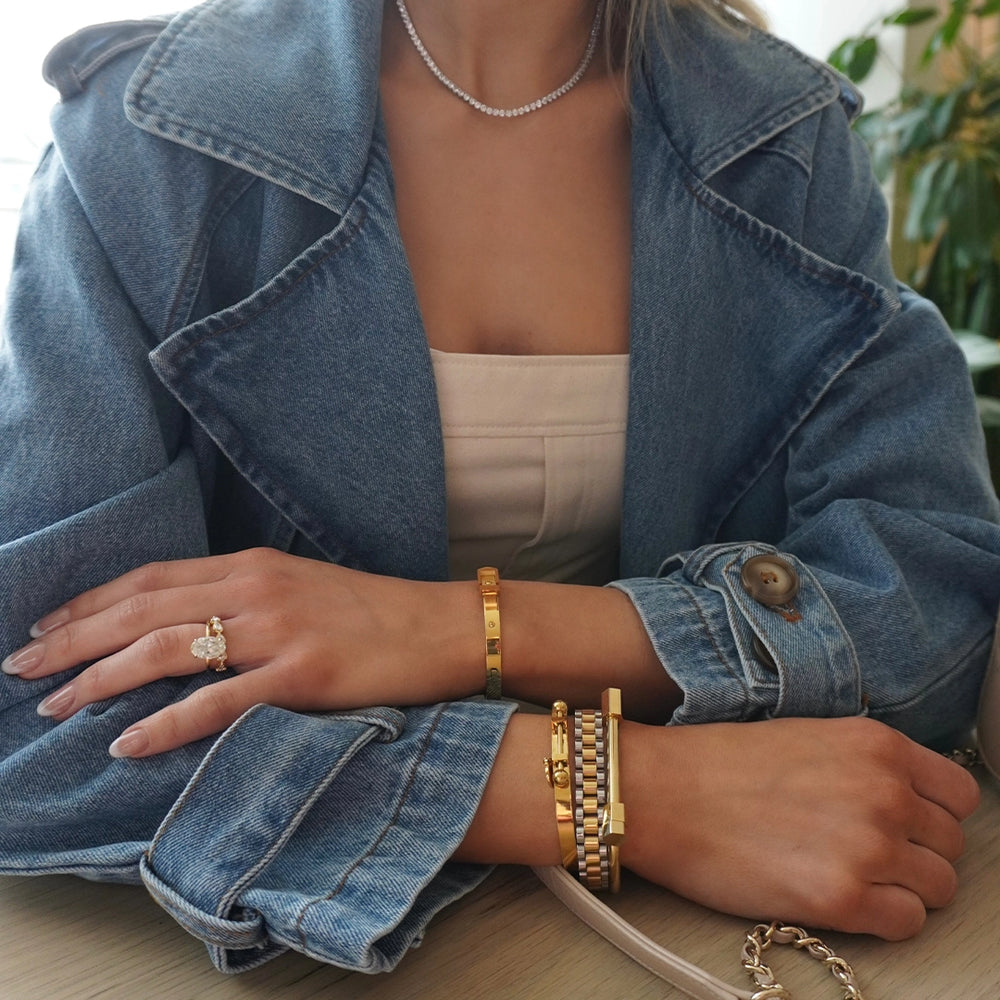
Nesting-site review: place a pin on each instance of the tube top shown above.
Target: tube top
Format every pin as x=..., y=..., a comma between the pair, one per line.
x=534, y=450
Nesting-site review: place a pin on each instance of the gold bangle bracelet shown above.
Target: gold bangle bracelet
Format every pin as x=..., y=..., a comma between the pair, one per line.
x=613, y=817
x=489, y=588
x=558, y=776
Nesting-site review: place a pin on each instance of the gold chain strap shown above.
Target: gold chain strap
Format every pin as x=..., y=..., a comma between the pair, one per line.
x=967, y=757
x=763, y=936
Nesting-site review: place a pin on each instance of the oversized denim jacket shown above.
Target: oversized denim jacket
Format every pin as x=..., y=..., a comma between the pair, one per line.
x=212, y=341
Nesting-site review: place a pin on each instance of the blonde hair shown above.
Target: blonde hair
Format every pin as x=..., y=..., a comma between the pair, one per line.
x=631, y=25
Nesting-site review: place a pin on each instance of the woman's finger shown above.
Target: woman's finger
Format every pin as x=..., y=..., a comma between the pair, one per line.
x=161, y=653
x=935, y=828
x=892, y=912
x=943, y=781
x=120, y=625
x=207, y=711
x=926, y=873
x=144, y=580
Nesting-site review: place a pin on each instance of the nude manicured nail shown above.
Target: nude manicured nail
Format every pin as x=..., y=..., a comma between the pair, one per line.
x=49, y=622
x=57, y=703
x=23, y=659
x=130, y=744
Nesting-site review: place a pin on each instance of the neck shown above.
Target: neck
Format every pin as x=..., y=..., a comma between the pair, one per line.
x=505, y=52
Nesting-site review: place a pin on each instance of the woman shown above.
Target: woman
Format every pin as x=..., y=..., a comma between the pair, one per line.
x=280, y=295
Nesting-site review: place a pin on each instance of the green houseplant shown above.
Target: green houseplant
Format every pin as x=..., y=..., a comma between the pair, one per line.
x=942, y=141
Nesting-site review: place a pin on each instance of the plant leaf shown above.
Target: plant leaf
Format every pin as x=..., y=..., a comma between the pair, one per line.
x=989, y=410
x=912, y=15
x=944, y=37
x=855, y=57
x=922, y=193
x=944, y=112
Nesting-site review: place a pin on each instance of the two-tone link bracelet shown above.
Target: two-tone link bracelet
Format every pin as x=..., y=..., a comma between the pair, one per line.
x=589, y=841
x=589, y=784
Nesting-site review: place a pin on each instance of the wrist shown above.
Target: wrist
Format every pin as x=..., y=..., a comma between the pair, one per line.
x=572, y=642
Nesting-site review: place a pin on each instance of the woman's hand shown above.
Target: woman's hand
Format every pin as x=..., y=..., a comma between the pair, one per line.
x=300, y=634
x=311, y=636
x=838, y=823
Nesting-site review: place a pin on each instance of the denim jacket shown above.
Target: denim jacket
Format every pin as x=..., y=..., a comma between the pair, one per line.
x=212, y=341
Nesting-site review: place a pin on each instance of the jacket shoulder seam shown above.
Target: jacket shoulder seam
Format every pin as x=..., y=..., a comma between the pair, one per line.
x=75, y=60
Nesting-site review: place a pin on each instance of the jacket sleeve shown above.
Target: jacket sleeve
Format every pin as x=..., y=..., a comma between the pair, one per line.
x=889, y=517
x=96, y=478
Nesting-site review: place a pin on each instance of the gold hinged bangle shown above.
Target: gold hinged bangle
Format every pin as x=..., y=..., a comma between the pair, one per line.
x=558, y=776
x=613, y=816
x=489, y=587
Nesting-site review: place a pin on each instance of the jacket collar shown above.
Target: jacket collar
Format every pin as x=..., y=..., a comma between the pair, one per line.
x=220, y=79
x=767, y=85
x=285, y=89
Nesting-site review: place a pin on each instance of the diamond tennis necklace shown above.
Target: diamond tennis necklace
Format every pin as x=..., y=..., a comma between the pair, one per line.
x=505, y=112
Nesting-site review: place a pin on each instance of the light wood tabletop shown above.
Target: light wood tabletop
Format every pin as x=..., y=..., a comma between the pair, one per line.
x=66, y=939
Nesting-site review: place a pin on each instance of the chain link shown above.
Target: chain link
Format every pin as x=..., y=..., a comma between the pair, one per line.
x=763, y=936
x=967, y=757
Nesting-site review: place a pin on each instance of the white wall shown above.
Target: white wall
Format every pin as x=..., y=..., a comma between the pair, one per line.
x=817, y=27
x=30, y=30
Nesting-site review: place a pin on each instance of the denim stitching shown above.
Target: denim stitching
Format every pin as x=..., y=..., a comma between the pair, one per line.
x=771, y=238
x=195, y=779
x=255, y=472
x=939, y=682
x=105, y=56
x=411, y=780
x=229, y=194
x=232, y=896
x=350, y=229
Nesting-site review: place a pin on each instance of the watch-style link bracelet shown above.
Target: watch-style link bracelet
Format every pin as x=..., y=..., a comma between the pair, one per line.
x=589, y=787
x=590, y=815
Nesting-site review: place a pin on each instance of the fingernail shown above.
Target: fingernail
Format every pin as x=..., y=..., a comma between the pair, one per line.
x=130, y=744
x=57, y=703
x=49, y=622
x=24, y=659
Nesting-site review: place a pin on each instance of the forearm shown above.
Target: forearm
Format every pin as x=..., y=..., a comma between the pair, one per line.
x=560, y=641
x=860, y=836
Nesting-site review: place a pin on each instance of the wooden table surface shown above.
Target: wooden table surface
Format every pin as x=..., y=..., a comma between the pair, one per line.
x=66, y=939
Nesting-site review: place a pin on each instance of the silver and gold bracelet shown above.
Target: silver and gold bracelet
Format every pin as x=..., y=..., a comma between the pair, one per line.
x=590, y=816
x=589, y=782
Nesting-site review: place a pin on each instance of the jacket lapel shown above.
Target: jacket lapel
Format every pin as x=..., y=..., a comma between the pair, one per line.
x=284, y=89
x=351, y=418
x=716, y=389
x=319, y=389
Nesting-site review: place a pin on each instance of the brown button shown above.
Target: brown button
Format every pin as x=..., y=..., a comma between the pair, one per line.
x=762, y=655
x=769, y=580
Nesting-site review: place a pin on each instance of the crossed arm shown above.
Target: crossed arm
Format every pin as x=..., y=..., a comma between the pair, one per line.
x=838, y=823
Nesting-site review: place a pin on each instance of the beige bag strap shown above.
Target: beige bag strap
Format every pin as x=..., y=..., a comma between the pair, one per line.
x=692, y=979
x=689, y=978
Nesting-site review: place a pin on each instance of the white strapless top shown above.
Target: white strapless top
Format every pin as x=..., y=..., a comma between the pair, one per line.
x=534, y=451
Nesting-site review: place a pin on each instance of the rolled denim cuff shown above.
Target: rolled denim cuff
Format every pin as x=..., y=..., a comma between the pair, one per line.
x=702, y=622
x=326, y=834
